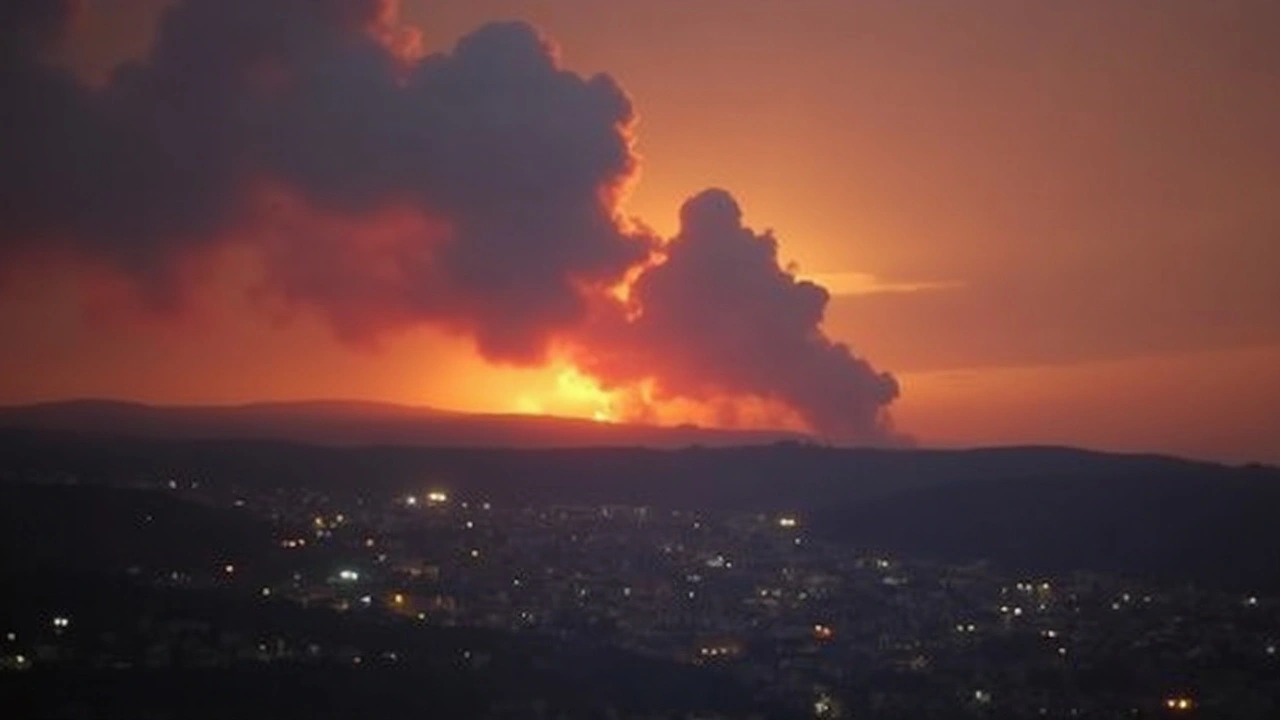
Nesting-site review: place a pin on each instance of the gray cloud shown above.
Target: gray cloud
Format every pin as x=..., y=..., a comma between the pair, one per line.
x=720, y=316
x=514, y=155
x=475, y=189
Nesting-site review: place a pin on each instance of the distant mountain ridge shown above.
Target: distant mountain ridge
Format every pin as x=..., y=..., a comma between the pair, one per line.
x=362, y=423
x=1028, y=509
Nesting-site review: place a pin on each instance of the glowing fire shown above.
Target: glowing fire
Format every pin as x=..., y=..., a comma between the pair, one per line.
x=562, y=390
x=571, y=394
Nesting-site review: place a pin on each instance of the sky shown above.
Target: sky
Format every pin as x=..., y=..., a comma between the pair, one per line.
x=1052, y=223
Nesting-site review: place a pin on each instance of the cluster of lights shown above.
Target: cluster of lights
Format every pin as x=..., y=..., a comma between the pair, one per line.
x=1181, y=704
x=715, y=651
x=719, y=561
x=324, y=528
x=293, y=543
x=1027, y=587
x=61, y=623
x=824, y=706
x=348, y=575
x=823, y=632
x=787, y=521
x=437, y=497
x=321, y=523
x=966, y=628
x=1014, y=611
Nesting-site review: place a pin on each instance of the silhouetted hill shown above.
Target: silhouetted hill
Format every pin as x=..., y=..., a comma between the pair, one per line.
x=761, y=477
x=90, y=528
x=353, y=423
x=1174, y=526
x=1032, y=508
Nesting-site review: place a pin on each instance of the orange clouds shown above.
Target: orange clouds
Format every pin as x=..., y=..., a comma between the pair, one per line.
x=476, y=191
x=1090, y=183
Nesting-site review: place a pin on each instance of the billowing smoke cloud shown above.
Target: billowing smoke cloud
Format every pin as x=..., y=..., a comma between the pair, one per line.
x=720, y=317
x=32, y=26
x=514, y=158
x=477, y=190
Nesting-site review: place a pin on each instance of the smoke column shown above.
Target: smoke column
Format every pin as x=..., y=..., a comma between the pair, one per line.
x=477, y=190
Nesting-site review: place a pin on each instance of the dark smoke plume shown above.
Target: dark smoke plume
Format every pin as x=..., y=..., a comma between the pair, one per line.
x=477, y=190
x=721, y=317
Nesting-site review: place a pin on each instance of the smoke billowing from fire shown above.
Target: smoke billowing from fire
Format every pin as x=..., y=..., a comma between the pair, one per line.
x=477, y=190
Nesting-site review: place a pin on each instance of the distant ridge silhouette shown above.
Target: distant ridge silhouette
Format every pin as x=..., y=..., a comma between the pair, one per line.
x=360, y=423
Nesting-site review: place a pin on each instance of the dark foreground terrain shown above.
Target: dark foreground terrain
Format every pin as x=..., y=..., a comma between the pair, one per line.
x=214, y=579
x=1024, y=508
x=139, y=651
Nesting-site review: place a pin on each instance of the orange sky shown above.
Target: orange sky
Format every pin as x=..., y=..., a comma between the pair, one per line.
x=1055, y=222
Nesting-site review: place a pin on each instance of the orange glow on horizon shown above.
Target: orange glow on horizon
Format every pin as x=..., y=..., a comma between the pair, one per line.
x=572, y=394
x=560, y=389
x=1094, y=268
